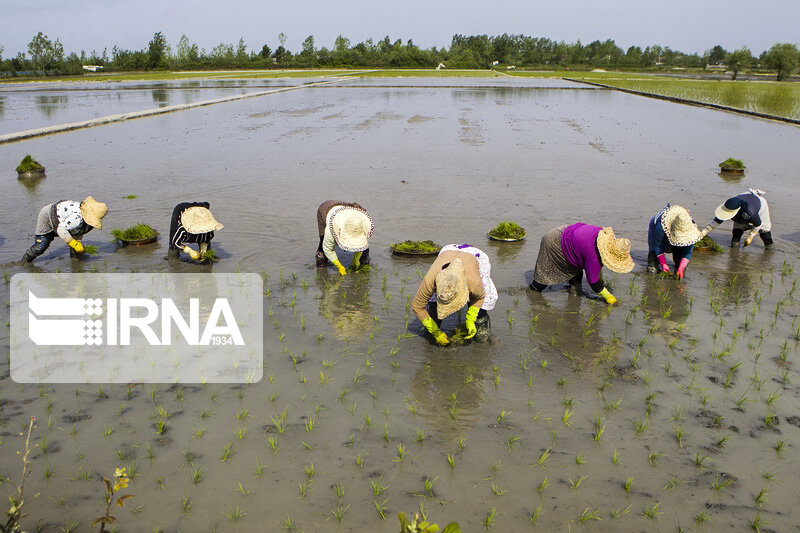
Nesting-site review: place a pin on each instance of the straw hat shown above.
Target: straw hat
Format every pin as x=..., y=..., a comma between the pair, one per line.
x=615, y=253
x=729, y=209
x=93, y=212
x=351, y=227
x=679, y=226
x=451, y=289
x=199, y=220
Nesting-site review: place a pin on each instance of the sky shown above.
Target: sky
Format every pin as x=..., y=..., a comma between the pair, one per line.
x=686, y=25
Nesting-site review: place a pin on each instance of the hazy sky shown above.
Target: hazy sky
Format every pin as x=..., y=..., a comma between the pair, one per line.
x=686, y=25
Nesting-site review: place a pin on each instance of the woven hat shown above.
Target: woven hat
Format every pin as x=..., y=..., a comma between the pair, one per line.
x=679, y=226
x=93, y=212
x=729, y=209
x=615, y=253
x=351, y=227
x=199, y=220
x=451, y=289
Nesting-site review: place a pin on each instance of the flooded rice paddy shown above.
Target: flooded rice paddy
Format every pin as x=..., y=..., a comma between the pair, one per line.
x=676, y=408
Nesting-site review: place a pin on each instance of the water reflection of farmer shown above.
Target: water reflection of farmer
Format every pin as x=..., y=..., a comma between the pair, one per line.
x=749, y=211
x=69, y=220
x=347, y=225
x=566, y=251
x=461, y=274
x=671, y=230
x=350, y=311
x=192, y=222
x=451, y=381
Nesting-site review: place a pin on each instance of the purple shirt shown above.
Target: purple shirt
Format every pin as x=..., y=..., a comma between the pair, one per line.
x=579, y=244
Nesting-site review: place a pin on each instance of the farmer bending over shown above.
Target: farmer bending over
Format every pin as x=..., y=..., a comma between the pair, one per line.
x=346, y=225
x=192, y=222
x=69, y=220
x=671, y=230
x=749, y=211
x=461, y=274
x=566, y=251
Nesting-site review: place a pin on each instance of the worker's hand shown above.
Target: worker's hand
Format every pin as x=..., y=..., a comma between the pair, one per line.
x=749, y=239
x=342, y=270
x=76, y=245
x=607, y=296
x=356, y=260
x=706, y=231
x=433, y=329
x=203, y=248
x=191, y=252
x=472, y=314
x=662, y=260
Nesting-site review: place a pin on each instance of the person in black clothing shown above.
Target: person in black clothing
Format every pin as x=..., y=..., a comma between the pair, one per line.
x=749, y=211
x=192, y=222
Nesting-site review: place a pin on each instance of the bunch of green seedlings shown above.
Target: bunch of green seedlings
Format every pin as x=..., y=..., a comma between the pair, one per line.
x=416, y=247
x=508, y=230
x=732, y=164
x=138, y=232
x=29, y=164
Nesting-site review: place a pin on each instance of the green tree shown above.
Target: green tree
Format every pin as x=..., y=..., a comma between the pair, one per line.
x=45, y=54
x=157, y=50
x=783, y=57
x=241, y=50
x=308, y=52
x=716, y=54
x=739, y=60
x=265, y=51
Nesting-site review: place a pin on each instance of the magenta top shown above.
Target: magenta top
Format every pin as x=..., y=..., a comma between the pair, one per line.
x=579, y=244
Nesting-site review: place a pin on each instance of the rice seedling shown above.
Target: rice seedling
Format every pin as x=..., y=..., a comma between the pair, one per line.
x=273, y=443
x=197, y=476
x=719, y=485
x=699, y=460
x=588, y=514
x=488, y=522
x=544, y=458
x=420, y=435
x=756, y=524
x=671, y=484
x=654, y=456
x=702, y=517
x=451, y=460
x=311, y=471
x=378, y=487
x=543, y=485
x=628, y=484
x=226, y=452
x=577, y=483
x=303, y=488
x=615, y=458
x=680, y=435
x=779, y=446
x=640, y=426
x=567, y=415
x=619, y=512
x=651, y=510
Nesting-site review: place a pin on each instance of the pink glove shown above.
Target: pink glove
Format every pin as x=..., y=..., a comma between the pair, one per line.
x=682, y=267
x=663, y=260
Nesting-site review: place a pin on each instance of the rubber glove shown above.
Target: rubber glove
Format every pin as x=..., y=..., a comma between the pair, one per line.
x=76, y=245
x=749, y=238
x=340, y=267
x=203, y=248
x=607, y=296
x=357, y=260
x=706, y=231
x=433, y=329
x=663, y=260
x=191, y=252
x=472, y=314
x=682, y=268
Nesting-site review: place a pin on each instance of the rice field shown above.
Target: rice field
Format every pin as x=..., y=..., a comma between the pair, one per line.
x=774, y=98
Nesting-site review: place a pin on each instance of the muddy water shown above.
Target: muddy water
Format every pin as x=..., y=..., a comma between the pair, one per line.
x=708, y=359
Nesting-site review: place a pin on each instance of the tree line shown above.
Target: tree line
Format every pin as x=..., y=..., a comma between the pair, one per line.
x=47, y=57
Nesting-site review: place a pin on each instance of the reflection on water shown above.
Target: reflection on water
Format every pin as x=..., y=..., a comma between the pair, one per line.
x=448, y=388
x=31, y=184
x=506, y=252
x=161, y=97
x=2, y=105
x=345, y=303
x=49, y=105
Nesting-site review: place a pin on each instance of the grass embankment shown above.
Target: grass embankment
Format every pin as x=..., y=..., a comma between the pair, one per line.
x=774, y=98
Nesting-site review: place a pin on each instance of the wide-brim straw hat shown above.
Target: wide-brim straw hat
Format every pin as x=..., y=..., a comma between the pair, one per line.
x=93, y=212
x=615, y=253
x=451, y=289
x=199, y=220
x=725, y=213
x=679, y=226
x=351, y=228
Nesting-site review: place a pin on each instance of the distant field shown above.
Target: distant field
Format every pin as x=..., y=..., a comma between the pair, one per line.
x=775, y=98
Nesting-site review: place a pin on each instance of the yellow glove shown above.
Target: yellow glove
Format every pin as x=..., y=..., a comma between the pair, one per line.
x=340, y=267
x=433, y=329
x=193, y=254
x=357, y=260
x=607, y=296
x=472, y=314
x=749, y=238
x=76, y=245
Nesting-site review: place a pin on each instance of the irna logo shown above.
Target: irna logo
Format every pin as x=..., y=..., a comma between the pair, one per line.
x=82, y=321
